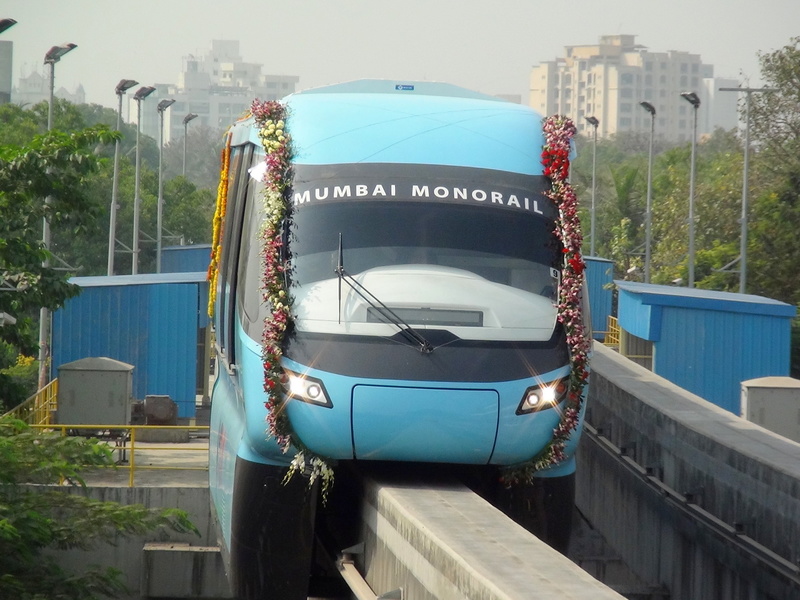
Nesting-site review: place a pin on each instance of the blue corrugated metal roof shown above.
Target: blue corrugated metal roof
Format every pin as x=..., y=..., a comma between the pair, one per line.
x=705, y=341
x=143, y=279
x=665, y=295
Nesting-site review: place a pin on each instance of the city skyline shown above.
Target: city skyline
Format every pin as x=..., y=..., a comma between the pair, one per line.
x=327, y=41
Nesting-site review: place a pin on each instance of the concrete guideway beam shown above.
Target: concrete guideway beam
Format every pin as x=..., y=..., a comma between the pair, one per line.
x=447, y=542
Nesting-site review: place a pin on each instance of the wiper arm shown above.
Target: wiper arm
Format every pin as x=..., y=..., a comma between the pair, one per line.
x=386, y=313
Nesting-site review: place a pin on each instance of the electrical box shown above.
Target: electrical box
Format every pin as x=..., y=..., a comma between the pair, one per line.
x=95, y=391
x=773, y=403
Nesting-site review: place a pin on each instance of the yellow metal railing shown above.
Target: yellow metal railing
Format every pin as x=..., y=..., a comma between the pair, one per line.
x=612, y=337
x=130, y=451
x=37, y=409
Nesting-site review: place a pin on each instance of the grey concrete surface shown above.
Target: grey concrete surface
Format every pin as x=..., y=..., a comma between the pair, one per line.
x=447, y=543
x=696, y=483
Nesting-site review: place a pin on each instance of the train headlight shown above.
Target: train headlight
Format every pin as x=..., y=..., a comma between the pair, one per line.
x=540, y=397
x=306, y=389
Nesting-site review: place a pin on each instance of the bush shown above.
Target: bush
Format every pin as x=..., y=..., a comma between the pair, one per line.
x=34, y=519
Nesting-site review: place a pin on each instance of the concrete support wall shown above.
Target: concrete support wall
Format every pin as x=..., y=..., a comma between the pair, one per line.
x=701, y=500
x=160, y=565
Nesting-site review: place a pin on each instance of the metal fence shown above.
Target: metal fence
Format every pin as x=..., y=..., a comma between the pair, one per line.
x=37, y=409
x=134, y=457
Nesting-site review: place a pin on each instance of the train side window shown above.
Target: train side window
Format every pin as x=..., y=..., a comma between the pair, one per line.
x=222, y=284
x=230, y=254
x=219, y=320
x=249, y=283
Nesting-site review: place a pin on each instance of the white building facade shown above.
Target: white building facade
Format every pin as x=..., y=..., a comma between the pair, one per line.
x=608, y=81
x=218, y=87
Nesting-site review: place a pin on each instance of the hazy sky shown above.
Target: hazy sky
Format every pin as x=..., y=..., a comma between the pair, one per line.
x=487, y=45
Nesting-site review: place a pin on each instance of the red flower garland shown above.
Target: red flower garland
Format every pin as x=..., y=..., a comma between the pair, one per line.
x=559, y=131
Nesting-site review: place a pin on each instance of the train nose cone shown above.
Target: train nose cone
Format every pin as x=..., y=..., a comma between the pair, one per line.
x=424, y=424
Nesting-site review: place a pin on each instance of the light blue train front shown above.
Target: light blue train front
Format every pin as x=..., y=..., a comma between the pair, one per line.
x=440, y=139
x=424, y=275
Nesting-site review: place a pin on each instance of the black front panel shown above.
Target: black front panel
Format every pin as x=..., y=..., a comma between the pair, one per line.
x=451, y=360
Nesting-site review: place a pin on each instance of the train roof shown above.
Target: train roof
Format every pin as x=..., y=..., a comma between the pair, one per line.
x=383, y=121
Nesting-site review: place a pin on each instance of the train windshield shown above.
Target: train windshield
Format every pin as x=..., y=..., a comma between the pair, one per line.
x=480, y=272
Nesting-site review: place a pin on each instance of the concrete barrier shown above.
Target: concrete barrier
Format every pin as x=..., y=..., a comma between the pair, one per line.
x=161, y=564
x=699, y=499
x=446, y=542
x=173, y=570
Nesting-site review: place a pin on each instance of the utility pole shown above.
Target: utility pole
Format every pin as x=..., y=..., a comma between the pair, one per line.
x=745, y=183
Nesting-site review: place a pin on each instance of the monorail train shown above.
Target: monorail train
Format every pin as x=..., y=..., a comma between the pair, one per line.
x=424, y=278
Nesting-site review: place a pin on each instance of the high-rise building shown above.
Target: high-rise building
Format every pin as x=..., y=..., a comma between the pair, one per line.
x=218, y=87
x=35, y=87
x=608, y=80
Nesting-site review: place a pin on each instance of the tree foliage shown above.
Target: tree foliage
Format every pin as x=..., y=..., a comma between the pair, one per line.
x=73, y=166
x=44, y=179
x=35, y=519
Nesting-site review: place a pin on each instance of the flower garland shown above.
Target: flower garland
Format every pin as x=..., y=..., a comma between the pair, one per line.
x=219, y=219
x=558, y=132
x=270, y=118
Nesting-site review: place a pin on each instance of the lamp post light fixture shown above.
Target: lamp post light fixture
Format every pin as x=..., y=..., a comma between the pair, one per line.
x=692, y=99
x=594, y=122
x=123, y=86
x=6, y=24
x=186, y=120
x=162, y=107
x=648, y=219
x=139, y=96
x=51, y=57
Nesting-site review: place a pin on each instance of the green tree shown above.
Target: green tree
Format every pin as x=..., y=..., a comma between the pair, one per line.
x=775, y=118
x=37, y=519
x=773, y=243
x=184, y=202
x=56, y=166
x=625, y=245
x=203, y=147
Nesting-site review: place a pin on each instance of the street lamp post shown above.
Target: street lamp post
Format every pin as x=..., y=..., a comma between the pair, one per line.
x=648, y=219
x=50, y=58
x=594, y=122
x=692, y=99
x=162, y=107
x=123, y=86
x=139, y=96
x=745, y=181
x=186, y=120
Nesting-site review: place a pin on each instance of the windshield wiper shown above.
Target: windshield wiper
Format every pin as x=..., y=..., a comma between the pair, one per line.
x=386, y=313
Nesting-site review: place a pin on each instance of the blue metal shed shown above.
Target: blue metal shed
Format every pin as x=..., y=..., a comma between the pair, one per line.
x=708, y=342
x=154, y=322
x=185, y=259
x=600, y=281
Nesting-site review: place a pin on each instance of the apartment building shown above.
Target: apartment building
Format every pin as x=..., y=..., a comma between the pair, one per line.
x=608, y=80
x=218, y=87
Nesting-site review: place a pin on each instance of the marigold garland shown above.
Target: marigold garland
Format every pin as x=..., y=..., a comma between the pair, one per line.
x=559, y=131
x=270, y=118
x=219, y=219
